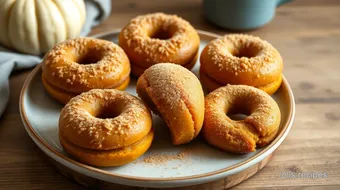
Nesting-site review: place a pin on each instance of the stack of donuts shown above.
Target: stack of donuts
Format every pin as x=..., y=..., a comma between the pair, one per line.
x=102, y=125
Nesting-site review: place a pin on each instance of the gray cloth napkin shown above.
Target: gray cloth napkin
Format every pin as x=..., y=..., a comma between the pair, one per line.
x=96, y=12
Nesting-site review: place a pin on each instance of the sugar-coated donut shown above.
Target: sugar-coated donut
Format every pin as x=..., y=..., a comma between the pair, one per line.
x=241, y=59
x=174, y=93
x=158, y=38
x=105, y=127
x=258, y=128
x=78, y=65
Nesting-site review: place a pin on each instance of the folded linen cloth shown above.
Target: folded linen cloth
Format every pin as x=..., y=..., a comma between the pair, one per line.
x=96, y=12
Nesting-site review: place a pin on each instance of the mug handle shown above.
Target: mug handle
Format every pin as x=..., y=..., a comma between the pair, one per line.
x=281, y=2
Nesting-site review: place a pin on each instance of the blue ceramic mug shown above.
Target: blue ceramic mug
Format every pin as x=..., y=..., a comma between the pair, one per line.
x=240, y=14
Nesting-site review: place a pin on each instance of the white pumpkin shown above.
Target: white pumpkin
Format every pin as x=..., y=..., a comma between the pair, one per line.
x=35, y=26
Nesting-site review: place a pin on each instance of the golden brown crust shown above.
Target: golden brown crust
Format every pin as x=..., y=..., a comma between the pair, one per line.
x=105, y=65
x=258, y=128
x=105, y=123
x=58, y=94
x=210, y=84
x=241, y=59
x=271, y=88
x=128, y=120
x=115, y=157
x=63, y=96
x=144, y=49
x=176, y=94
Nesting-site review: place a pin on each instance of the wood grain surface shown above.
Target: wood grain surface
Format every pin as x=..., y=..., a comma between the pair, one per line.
x=307, y=34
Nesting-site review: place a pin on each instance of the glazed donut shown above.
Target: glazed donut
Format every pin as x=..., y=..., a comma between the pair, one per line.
x=259, y=128
x=79, y=65
x=174, y=93
x=158, y=38
x=105, y=127
x=241, y=59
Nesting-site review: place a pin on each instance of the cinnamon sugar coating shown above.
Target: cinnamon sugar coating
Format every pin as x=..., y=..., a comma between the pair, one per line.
x=241, y=59
x=82, y=64
x=258, y=128
x=176, y=94
x=126, y=119
x=156, y=38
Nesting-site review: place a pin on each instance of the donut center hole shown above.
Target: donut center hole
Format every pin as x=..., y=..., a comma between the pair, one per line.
x=107, y=115
x=237, y=116
x=89, y=58
x=109, y=111
x=161, y=34
x=239, y=110
x=161, y=31
x=246, y=51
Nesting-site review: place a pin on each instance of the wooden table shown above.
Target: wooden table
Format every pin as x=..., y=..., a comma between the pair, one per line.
x=307, y=34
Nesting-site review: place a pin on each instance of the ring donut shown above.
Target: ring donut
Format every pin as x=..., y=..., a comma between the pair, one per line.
x=241, y=59
x=174, y=93
x=159, y=38
x=79, y=65
x=105, y=127
x=258, y=128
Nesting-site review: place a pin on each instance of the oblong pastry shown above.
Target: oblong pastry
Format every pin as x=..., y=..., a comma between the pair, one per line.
x=78, y=65
x=157, y=38
x=105, y=127
x=258, y=128
x=174, y=93
x=241, y=59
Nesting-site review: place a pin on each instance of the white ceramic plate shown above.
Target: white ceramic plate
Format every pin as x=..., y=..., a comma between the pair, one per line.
x=164, y=165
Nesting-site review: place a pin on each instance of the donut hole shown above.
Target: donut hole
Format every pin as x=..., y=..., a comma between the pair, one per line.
x=90, y=57
x=108, y=114
x=237, y=116
x=246, y=51
x=161, y=34
x=239, y=110
x=109, y=111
